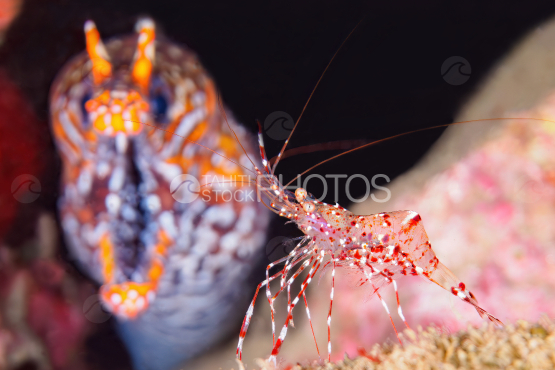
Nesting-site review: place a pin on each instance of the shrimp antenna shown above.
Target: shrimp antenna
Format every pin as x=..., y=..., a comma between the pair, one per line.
x=234, y=134
x=412, y=132
x=310, y=97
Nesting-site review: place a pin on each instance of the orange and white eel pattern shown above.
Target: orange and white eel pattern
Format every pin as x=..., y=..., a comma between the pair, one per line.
x=171, y=272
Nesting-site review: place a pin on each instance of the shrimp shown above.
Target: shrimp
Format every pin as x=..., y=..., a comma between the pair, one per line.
x=382, y=247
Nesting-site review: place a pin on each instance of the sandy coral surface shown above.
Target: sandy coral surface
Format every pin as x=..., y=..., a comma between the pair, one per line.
x=520, y=346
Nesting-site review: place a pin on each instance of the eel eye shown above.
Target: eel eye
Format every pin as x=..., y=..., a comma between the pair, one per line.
x=159, y=107
x=84, y=113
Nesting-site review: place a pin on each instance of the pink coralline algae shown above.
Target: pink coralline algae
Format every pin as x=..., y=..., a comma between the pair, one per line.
x=41, y=317
x=490, y=219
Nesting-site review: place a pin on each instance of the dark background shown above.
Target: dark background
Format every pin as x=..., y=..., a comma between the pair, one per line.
x=267, y=56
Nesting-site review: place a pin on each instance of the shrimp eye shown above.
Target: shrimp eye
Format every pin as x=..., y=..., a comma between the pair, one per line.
x=301, y=194
x=308, y=207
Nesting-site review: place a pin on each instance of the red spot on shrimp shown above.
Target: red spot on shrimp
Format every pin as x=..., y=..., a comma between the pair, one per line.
x=462, y=286
x=276, y=347
x=413, y=222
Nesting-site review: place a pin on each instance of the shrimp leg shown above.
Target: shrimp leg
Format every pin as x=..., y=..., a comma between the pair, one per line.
x=389, y=314
x=329, y=313
x=399, y=309
x=304, y=285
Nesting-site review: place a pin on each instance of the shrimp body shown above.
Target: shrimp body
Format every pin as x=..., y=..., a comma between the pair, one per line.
x=381, y=247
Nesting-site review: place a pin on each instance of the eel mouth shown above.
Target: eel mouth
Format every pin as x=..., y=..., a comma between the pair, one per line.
x=128, y=225
x=131, y=268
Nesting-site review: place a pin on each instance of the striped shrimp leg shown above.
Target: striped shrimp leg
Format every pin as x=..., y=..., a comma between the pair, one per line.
x=277, y=346
x=248, y=316
x=283, y=279
x=331, y=304
x=310, y=322
x=386, y=308
x=288, y=260
x=399, y=309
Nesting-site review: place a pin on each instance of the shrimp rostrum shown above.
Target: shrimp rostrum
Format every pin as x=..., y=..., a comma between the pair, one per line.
x=382, y=247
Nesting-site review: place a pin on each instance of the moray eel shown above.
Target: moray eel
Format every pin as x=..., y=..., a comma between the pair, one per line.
x=147, y=212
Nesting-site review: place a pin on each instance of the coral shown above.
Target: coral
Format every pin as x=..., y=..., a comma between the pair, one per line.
x=22, y=144
x=488, y=217
x=42, y=323
x=519, y=346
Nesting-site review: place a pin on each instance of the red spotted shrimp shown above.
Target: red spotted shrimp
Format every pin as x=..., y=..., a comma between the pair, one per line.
x=381, y=248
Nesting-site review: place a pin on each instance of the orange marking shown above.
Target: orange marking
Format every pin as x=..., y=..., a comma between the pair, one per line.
x=228, y=144
x=210, y=97
x=111, y=122
x=60, y=132
x=141, y=72
x=117, y=123
x=107, y=258
x=142, y=68
x=198, y=131
x=127, y=299
x=164, y=237
x=101, y=67
x=155, y=271
x=99, y=124
x=160, y=250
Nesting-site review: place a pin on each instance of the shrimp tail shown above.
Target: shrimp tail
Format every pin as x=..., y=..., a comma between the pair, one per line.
x=443, y=277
